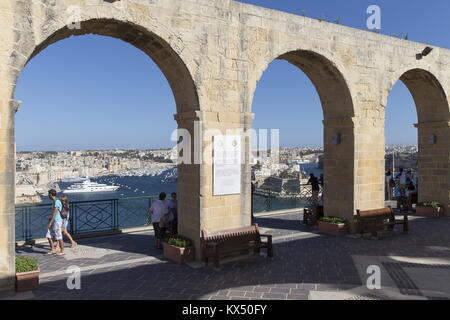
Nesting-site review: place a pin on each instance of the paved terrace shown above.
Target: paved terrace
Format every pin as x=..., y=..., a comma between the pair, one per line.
x=306, y=265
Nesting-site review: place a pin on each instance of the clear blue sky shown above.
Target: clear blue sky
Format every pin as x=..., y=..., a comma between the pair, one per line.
x=99, y=92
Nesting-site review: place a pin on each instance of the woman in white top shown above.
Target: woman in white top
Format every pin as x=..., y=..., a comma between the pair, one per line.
x=158, y=211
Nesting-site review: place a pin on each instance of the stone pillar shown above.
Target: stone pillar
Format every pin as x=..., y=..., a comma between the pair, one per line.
x=246, y=189
x=189, y=197
x=8, y=109
x=354, y=165
x=339, y=166
x=199, y=209
x=433, y=162
x=230, y=211
x=369, y=159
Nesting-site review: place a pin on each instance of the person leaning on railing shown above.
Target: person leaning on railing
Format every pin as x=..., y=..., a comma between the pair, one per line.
x=314, y=182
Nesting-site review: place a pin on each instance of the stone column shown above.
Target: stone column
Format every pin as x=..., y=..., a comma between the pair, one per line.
x=230, y=211
x=354, y=165
x=198, y=208
x=339, y=166
x=189, y=197
x=8, y=109
x=433, y=162
x=369, y=159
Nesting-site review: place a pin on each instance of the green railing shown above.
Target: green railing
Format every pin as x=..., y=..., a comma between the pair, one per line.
x=86, y=217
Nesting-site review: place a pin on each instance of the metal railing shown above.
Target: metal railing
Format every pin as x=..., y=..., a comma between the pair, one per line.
x=304, y=197
x=86, y=217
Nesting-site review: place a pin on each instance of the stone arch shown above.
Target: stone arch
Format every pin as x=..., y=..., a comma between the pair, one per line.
x=433, y=113
x=158, y=49
x=325, y=73
x=428, y=94
x=423, y=86
x=169, y=54
x=338, y=110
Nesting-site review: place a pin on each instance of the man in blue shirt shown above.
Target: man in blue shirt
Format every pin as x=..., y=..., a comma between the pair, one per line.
x=54, y=226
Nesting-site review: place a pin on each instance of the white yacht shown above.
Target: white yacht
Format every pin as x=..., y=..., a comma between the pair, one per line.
x=89, y=186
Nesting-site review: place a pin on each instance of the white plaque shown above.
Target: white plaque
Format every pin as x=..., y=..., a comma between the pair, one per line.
x=227, y=165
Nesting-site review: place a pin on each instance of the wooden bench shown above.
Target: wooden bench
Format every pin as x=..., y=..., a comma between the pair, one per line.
x=375, y=220
x=313, y=214
x=225, y=244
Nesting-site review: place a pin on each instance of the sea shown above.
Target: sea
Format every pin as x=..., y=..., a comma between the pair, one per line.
x=133, y=195
x=145, y=186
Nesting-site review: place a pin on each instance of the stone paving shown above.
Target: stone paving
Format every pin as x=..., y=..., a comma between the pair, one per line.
x=306, y=265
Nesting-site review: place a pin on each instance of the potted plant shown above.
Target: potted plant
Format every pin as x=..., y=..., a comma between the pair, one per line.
x=27, y=274
x=333, y=226
x=178, y=249
x=430, y=209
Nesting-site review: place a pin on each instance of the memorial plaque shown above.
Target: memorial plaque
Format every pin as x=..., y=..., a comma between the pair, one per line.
x=227, y=165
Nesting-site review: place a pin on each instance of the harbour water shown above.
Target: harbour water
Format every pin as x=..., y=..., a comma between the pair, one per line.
x=144, y=186
x=131, y=207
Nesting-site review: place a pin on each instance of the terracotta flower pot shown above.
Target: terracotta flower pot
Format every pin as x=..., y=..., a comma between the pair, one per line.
x=333, y=229
x=430, y=212
x=177, y=254
x=26, y=281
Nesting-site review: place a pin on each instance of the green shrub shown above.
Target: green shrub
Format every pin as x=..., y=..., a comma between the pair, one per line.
x=430, y=204
x=178, y=241
x=26, y=264
x=334, y=220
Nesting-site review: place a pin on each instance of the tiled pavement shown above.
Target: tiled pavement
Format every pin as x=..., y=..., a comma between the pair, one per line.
x=306, y=265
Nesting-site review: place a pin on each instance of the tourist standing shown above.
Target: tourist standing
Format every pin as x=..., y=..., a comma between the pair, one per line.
x=409, y=177
x=315, y=187
x=65, y=220
x=54, y=227
x=389, y=184
x=173, y=213
x=412, y=196
x=158, y=211
x=402, y=182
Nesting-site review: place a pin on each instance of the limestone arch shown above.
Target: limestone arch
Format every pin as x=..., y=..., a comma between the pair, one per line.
x=433, y=113
x=172, y=65
x=310, y=59
x=158, y=49
x=338, y=112
x=427, y=91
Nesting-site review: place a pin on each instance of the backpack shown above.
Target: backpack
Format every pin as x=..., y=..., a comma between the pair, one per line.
x=65, y=210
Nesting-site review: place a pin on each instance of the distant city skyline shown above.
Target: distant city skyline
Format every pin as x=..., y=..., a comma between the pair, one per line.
x=94, y=92
x=158, y=149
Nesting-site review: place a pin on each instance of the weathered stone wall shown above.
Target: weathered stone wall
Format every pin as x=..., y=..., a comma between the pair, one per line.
x=213, y=52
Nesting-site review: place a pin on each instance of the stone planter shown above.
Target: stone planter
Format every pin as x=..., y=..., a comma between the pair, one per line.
x=430, y=212
x=177, y=254
x=333, y=229
x=26, y=281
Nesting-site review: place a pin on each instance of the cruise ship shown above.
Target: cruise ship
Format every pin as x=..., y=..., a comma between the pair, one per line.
x=89, y=186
